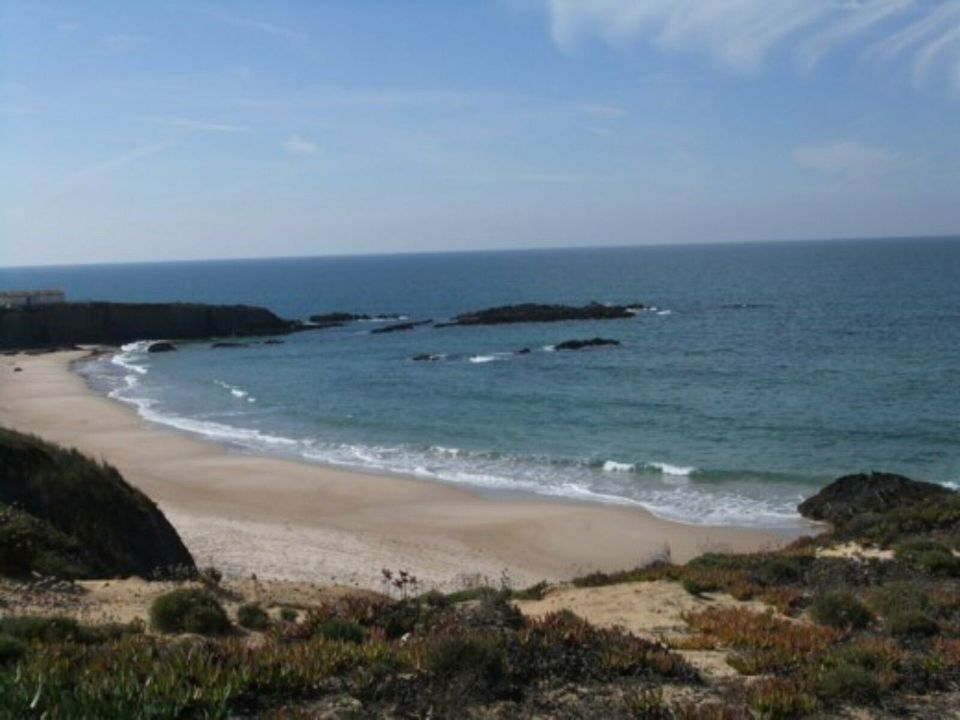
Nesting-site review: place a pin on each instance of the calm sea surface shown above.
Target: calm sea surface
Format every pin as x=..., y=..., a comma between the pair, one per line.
x=760, y=373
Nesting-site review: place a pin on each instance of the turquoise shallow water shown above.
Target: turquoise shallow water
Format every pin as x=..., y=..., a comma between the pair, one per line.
x=763, y=372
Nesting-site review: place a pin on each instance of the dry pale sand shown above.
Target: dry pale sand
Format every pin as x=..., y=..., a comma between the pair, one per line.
x=128, y=600
x=298, y=521
x=652, y=610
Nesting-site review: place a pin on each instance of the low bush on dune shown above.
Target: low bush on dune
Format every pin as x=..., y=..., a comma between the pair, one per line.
x=189, y=610
x=930, y=556
x=30, y=628
x=29, y=545
x=341, y=630
x=478, y=661
x=11, y=649
x=840, y=610
x=459, y=657
x=253, y=617
x=905, y=623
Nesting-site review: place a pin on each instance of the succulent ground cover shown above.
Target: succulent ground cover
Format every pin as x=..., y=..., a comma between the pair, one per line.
x=805, y=631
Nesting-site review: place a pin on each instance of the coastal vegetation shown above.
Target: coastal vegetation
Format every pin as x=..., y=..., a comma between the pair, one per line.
x=64, y=514
x=866, y=614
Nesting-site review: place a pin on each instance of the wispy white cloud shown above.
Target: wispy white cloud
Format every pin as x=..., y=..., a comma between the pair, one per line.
x=922, y=37
x=859, y=18
x=103, y=168
x=205, y=126
x=845, y=157
x=297, y=145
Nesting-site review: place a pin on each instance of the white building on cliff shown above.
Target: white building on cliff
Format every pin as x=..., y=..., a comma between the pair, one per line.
x=28, y=298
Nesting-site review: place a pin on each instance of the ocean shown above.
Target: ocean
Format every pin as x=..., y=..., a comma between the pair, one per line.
x=757, y=373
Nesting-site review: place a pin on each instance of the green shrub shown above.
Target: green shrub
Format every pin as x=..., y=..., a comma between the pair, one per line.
x=899, y=596
x=930, y=556
x=253, y=617
x=779, y=570
x=62, y=629
x=840, y=610
x=534, y=592
x=470, y=594
x=289, y=614
x=697, y=586
x=11, y=649
x=478, y=658
x=848, y=682
x=189, y=610
x=31, y=545
x=903, y=623
x=343, y=630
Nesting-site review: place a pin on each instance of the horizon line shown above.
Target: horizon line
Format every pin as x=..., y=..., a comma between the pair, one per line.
x=465, y=251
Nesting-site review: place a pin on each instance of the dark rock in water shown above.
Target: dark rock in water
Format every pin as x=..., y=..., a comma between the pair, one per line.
x=345, y=317
x=426, y=357
x=159, y=347
x=533, y=312
x=83, y=518
x=335, y=317
x=580, y=344
x=522, y=351
x=273, y=341
x=218, y=345
x=853, y=496
x=323, y=325
x=399, y=327
x=103, y=323
x=18, y=369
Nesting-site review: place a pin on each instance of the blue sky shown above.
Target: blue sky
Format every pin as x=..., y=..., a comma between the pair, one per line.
x=180, y=130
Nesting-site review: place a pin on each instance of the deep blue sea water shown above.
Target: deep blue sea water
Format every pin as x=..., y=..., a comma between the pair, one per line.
x=764, y=371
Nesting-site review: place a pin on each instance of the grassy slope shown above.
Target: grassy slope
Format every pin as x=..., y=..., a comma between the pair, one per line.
x=66, y=514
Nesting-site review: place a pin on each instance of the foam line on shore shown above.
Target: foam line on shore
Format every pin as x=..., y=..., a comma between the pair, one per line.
x=436, y=530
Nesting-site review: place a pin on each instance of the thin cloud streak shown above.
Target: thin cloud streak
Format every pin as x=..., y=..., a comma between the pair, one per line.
x=104, y=168
x=297, y=145
x=204, y=126
x=923, y=36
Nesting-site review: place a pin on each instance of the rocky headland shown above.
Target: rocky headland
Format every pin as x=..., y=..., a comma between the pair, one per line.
x=106, y=323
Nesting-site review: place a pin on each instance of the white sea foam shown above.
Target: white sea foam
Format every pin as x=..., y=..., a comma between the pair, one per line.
x=579, y=480
x=664, y=312
x=668, y=469
x=495, y=357
x=129, y=352
x=235, y=391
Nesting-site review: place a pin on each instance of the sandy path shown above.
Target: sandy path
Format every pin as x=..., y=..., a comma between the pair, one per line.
x=298, y=521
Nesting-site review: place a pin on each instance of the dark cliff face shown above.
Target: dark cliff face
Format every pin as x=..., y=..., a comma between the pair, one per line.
x=110, y=528
x=117, y=323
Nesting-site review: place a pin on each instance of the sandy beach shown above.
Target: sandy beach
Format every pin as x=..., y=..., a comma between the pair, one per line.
x=281, y=519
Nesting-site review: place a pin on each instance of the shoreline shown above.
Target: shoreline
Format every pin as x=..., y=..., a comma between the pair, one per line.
x=298, y=520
